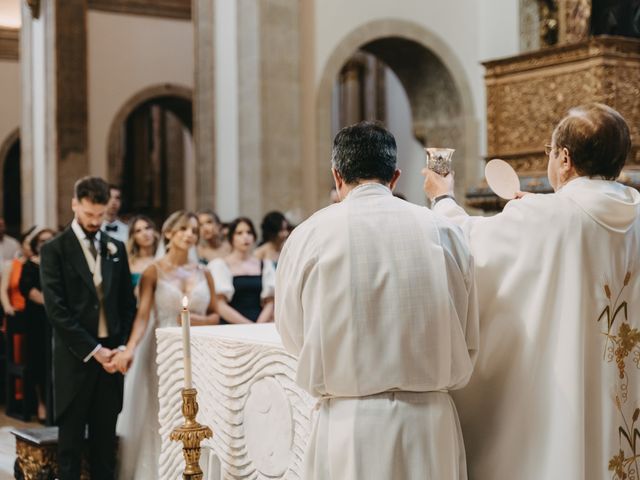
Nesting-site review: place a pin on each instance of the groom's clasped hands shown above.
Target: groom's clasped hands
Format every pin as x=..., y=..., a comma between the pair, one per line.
x=114, y=360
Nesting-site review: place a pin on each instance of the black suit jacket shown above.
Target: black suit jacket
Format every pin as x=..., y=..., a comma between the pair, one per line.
x=73, y=308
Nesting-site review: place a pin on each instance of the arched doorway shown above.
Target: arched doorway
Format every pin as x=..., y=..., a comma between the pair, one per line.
x=10, y=179
x=437, y=96
x=151, y=152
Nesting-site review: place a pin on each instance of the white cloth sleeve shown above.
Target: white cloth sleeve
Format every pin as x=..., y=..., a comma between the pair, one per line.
x=268, y=280
x=222, y=278
x=92, y=353
x=288, y=311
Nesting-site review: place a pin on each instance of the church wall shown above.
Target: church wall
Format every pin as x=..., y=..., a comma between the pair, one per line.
x=128, y=54
x=9, y=98
x=473, y=30
x=255, y=167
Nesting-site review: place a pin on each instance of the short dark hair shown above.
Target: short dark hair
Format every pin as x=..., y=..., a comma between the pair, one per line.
x=271, y=225
x=94, y=189
x=113, y=186
x=234, y=225
x=364, y=151
x=597, y=138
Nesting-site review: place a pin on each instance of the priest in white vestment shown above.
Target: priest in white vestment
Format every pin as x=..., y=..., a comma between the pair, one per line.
x=556, y=389
x=375, y=296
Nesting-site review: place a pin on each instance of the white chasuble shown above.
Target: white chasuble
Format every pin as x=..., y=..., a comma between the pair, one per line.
x=556, y=389
x=375, y=296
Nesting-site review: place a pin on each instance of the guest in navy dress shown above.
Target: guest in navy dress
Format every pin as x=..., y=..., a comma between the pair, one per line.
x=244, y=284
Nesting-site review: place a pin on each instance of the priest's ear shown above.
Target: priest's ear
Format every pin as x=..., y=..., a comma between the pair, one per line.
x=337, y=179
x=567, y=166
x=394, y=179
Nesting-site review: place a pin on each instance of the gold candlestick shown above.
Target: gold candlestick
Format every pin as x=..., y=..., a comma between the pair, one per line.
x=191, y=434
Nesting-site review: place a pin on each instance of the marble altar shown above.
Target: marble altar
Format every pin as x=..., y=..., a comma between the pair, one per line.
x=261, y=420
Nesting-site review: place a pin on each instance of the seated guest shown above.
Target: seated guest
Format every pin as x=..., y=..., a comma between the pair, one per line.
x=556, y=389
x=213, y=243
x=275, y=230
x=37, y=326
x=141, y=246
x=244, y=284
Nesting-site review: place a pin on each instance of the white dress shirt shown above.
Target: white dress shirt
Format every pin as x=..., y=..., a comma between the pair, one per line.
x=94, y=268
x=121, y=231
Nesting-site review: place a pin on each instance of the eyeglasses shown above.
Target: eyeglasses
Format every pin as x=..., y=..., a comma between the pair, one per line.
x=548, y=149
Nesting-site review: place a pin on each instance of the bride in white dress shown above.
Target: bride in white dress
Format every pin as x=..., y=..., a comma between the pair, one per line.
x=162, y=287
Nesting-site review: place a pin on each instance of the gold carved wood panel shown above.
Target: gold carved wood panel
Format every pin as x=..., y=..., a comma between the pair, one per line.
x=527, y=95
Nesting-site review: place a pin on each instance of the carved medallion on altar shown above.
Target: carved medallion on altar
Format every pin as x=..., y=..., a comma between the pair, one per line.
x=247, y=394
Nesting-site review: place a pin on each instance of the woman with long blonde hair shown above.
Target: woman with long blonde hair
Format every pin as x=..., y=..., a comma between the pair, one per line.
x=141, y=246
x=163, y=285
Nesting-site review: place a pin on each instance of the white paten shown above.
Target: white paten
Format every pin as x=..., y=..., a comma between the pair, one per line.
x=261, y=419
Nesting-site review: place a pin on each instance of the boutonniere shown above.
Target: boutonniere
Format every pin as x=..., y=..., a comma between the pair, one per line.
x=111, y=248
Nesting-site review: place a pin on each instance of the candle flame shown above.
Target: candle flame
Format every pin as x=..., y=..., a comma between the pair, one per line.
x=185, y=302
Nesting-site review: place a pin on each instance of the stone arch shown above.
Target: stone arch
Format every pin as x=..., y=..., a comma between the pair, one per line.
x=5, y=149
x=173, y=105
x=383, y=38
x=115, y=146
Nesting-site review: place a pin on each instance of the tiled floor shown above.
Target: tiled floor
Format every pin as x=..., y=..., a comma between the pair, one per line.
x=8, y=444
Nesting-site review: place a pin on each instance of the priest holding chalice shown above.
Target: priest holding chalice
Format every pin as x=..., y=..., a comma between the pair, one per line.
x=556, y=389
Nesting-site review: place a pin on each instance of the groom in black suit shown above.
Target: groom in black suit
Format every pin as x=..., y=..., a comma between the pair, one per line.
x=89, y=301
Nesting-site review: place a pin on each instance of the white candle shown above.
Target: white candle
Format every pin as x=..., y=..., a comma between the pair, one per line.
x=186, y=341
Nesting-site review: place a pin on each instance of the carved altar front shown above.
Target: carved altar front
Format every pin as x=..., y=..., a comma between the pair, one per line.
x=261, y=420
x=528, y=94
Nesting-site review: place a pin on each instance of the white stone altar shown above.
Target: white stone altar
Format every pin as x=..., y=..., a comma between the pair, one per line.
x=261, y=420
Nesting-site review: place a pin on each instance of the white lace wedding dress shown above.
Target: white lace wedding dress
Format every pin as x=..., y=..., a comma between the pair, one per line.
x=138, y=427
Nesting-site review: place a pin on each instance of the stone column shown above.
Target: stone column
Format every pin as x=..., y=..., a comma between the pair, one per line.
x=351, y=94
x=280, y=53
x=271, y=166
x=174, y=158
x=249, y=109
x=314, y=176
x=362, y=90
x=54, y=122
x=203, y=102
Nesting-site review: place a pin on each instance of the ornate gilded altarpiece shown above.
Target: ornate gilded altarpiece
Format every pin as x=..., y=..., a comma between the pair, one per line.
x=528, y=94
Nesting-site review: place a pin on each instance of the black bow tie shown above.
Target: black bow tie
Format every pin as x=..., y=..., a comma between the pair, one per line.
x=111, y=228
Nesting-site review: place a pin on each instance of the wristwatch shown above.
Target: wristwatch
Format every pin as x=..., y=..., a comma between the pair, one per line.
x=441, y=197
